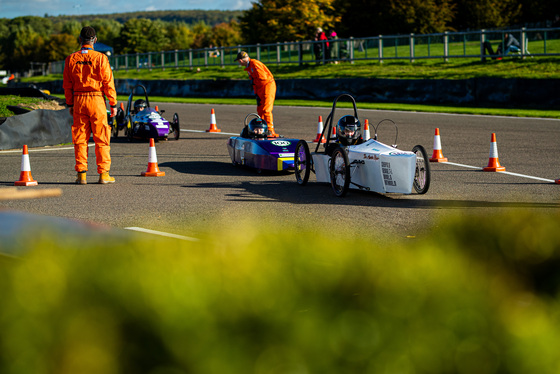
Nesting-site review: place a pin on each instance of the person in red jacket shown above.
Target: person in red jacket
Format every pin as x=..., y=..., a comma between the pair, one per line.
x=264, y=86
x=87, y=79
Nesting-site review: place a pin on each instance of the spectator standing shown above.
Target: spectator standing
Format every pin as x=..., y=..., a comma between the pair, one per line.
x=321, y=41
x=87, y=78
x=333, y=46
x=264, y=87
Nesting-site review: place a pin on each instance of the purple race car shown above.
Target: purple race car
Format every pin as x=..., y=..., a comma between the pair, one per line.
x=256, y=149
x=140, y=121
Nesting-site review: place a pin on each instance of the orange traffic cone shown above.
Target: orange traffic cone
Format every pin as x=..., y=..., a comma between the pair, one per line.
x=122, y=106
x=333, y=136
x=320, y=138
x=493, y=162
x=157, y=109
x=25, y=178
x=213, y=127
x=437, y=156
x=153, y=169
x=367, y=135
x=557, y=181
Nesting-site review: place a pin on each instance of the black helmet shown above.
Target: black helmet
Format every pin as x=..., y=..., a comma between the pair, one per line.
x=348, y=130
x=139, y=105
x=257, y=128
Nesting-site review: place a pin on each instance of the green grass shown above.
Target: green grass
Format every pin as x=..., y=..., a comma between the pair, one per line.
x=15, y=100
x=530, y=68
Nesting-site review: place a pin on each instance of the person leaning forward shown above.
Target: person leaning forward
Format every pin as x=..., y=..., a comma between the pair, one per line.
x=264, y=86
x=87, y=78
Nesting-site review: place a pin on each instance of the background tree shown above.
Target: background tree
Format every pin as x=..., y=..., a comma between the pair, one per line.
x=420, y=16
x=483, y=14
x=224, y=34
x=142, y=35
x=180, y=35
x=25, y=46
x=58, y=46
x=200, y=30
x=71, y=27
x=108, y=30
x=270, y=21
x=361, y=18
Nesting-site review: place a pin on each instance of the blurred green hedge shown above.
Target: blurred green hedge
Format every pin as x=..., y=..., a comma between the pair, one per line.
x=479, y=295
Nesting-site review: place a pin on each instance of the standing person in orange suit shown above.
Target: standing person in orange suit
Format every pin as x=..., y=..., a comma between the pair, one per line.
x=264, y=86
x=87, y=79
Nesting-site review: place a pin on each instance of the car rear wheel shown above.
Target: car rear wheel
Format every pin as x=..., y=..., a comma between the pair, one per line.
x=302, y=162
x=340, y=172
x=175, y=127
x=422, y=173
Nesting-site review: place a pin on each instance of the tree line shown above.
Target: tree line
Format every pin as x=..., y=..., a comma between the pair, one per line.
x=43, y=39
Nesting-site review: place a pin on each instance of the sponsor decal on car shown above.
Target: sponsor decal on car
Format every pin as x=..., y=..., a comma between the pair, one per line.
x=371, y=157
x=280, y=143
x=399, y=153
x=387, y=174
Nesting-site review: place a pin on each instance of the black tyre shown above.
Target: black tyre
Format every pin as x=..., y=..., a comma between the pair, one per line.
x=302, y=162
x=340, y=172
x=119, y=118
x=176, y=127
x=422, y=174
x=129, y=134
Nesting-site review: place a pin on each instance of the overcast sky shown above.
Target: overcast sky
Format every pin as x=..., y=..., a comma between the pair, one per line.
x=18, y=8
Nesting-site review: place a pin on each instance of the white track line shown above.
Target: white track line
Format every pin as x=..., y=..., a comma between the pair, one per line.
x=215, y=133
x=43, y=149
x=161, y=233
x=502, y=172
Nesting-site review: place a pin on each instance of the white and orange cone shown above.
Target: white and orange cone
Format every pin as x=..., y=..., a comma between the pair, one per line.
x=213, y=125
x=334, y=137
x=25, y=178
x=367, y=135
x=437, y=155
x=320, y=138
x=493, y=162
x=153, y=169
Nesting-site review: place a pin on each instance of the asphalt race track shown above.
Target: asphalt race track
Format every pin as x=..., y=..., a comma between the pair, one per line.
x=202, y=190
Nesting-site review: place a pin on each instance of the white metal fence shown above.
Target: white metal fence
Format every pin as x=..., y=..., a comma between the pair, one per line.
x=448, y=45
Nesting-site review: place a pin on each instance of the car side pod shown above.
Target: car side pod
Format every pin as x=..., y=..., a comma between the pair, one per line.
x=153, y=169
x=493, y=162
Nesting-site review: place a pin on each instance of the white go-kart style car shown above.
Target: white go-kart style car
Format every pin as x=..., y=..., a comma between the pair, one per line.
x=347, y=161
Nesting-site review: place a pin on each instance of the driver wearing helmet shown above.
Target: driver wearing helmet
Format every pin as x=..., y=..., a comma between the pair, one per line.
x=348, y=130
x=257, y=128
x=139, y=105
